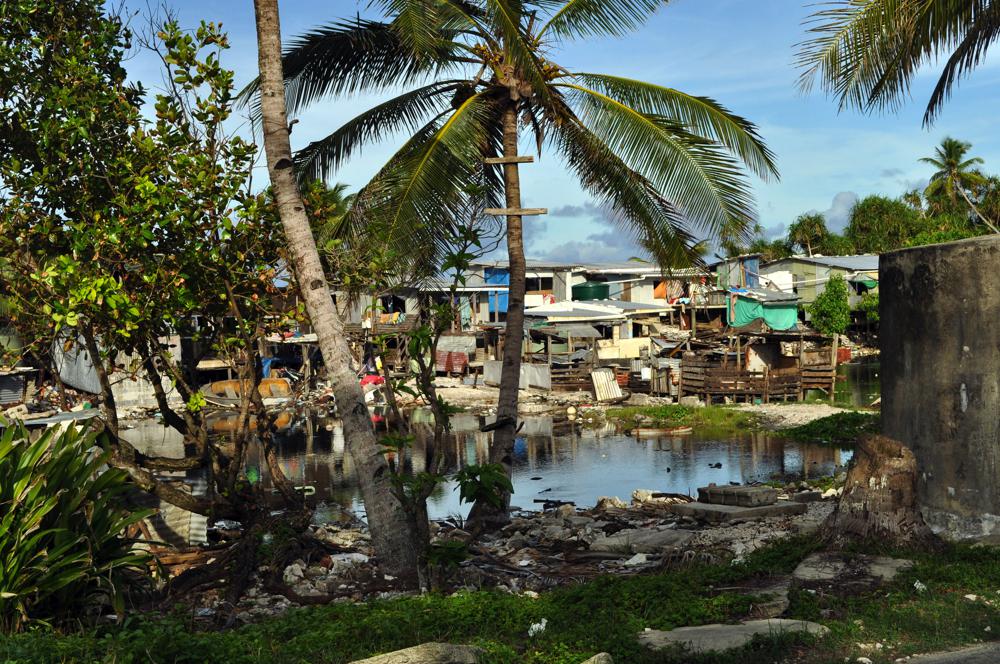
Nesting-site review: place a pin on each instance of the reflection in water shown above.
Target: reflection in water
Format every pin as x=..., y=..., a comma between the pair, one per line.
x=858, y=383
x=572, y=464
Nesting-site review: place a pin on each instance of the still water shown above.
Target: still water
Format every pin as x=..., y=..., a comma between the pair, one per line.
x=559, y=460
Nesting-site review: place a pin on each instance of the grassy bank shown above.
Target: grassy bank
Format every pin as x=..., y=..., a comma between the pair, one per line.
x=708, y=417
x=842, y=428
x=602, y=615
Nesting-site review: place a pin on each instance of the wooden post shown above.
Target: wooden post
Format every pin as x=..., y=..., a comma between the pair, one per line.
x=739, y=355
x=833, y=367
x=548, y=348
x=694, y=322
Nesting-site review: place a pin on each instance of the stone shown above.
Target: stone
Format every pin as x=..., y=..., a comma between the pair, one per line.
x=555, y=533
x=772, y=600
x=717, y=638
x=342, y=562
x=428, y=653
x=641, y=540
x=720, y=513
x=810, y=496
x=640, y=496
x=293, y=574
x=315, y=572
x=599, y=658
x=744, y=496
x=830, y=493
x=579, y=521
x=819, y=567
x=604, y=502
x=691, y=402
x=885, y=569
x=565, y=511
x=636, y=560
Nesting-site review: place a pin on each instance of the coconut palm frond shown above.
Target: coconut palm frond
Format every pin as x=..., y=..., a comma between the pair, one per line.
x=506, y=19
x=320, y=159
x=865, y=53
x=968, y=54
x=409, y=201
x=704, y=182
x=631, y=200
x=594, y=18
x=699, y=115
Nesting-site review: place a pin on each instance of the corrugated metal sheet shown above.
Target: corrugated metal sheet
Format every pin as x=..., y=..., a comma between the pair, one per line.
x=11, y=389
x=606, y=387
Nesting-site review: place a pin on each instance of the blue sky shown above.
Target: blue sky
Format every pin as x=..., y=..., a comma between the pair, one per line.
x=739, y=52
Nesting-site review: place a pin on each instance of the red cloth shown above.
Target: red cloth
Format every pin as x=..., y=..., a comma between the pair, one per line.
x=372, y=379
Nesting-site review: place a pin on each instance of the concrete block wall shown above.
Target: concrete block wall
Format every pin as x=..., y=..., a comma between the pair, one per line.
x=940, y=342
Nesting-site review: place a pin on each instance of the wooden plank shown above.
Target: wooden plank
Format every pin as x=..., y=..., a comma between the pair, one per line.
x=520, y=159
x=516, y=212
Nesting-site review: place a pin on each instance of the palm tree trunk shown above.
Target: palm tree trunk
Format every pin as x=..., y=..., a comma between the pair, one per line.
x=976, y=210
x=391, y=536
x=502, y=450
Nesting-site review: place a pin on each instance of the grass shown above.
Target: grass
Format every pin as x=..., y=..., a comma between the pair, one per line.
x=601, y=615
x=840, y=428
x=708, y=417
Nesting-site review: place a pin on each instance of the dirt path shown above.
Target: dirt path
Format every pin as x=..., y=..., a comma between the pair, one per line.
x=786, y=416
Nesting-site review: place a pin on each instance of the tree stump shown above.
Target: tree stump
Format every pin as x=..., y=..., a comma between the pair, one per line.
x=879, y=500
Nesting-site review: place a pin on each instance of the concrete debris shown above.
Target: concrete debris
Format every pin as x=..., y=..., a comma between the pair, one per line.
x=718, y=638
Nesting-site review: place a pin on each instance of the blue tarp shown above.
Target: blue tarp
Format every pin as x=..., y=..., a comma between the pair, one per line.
x=498, y=299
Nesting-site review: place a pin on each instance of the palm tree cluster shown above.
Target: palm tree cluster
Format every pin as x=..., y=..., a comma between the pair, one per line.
x=476, y=75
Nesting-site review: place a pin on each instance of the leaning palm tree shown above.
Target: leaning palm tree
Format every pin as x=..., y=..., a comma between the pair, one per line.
x=866, y=52
x=479, y=76
x=955, y=176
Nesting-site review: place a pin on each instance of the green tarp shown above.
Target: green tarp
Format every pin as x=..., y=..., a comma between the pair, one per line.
x=777, y=315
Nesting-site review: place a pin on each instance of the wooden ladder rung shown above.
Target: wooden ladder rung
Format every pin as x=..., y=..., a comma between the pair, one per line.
x=516, y=212
x=523, y=159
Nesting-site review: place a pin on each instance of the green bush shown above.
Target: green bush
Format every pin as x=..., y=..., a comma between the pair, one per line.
x=831, y=313
x=62, y=523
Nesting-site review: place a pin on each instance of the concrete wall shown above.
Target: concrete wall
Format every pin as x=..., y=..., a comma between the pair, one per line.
x=940, y=339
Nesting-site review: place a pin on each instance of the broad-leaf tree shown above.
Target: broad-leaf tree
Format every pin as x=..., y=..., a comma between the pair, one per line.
x=477, y=77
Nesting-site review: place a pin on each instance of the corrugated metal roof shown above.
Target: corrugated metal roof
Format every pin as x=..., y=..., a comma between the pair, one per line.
x=764, y=295
x=857, y=263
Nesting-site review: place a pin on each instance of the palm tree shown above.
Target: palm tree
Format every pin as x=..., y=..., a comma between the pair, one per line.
x=955, y=175
x=866, y=52
x=807, y=231
x=478, y=74
x=391, y=536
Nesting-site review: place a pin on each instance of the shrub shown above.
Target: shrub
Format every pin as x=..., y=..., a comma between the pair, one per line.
x=831, y=313
x=62, y=525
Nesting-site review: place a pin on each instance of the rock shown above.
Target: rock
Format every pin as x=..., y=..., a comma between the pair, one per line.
x=691, y=402
x=810, y=496
x=342, y=562
x=604, y=502
x=744, y=496
x=719, y=513
x=819, y=567
x=885, y=569
x=428, y=653
x=580, y=521
x=830, y=493
x=641, y=540
x=599, y=658
x=293, y=573
x=717, y=638
x=555, y=533
x=863, y=660
x=565, y=511
x=773, y=600
x=636, y=560
x=315, y=572
x=640, y=496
